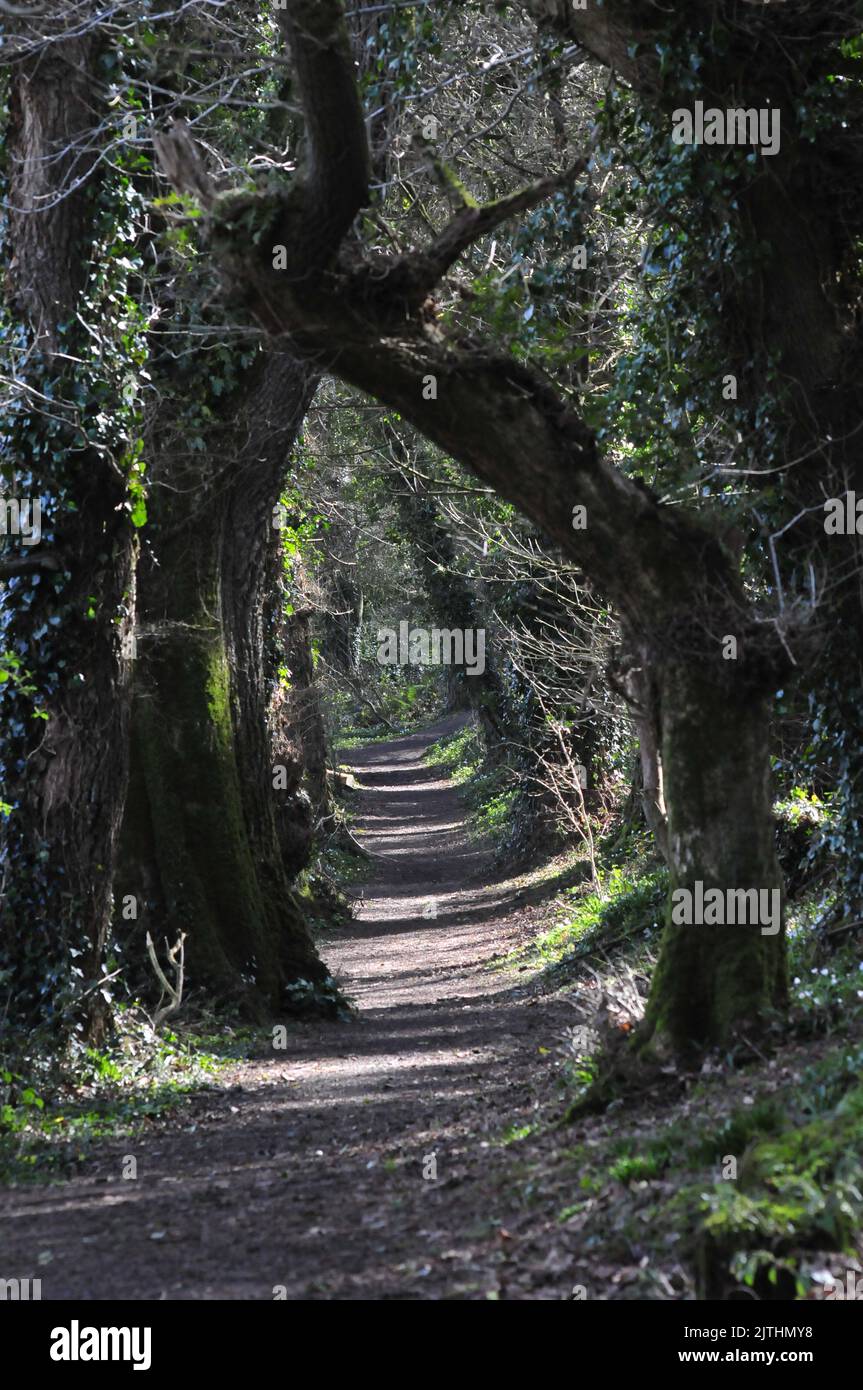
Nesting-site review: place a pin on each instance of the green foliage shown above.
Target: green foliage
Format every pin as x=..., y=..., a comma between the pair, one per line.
x=738, y=1129
x=640, y=1167
x=529, y=308
x=826, y=998
x=834, y=754
x=395, y=49
x=76, y=418
x=515, y=1133
x=632, y=904
x=306, y=998
x=67, y=1102
x=459, y=754
x=489, y=791
x=798, y=1189
x=801, y=807
x=802, y=1188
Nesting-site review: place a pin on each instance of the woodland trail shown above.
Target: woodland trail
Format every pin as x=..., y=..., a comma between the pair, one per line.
x=305, y=1169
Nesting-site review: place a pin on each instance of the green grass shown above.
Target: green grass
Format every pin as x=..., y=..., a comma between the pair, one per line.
x=347, y=740
x=489, y=792
x=459, y=754
x=631, y=904
x=515, y=1133
x=53, y=1109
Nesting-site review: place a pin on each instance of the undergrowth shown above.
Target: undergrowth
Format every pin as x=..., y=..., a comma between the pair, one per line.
x=745, y=1181
x=53, y=1107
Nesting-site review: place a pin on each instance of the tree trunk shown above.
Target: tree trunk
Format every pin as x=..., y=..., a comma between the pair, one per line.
x=67, y=599
x=223, y=811
x=714, y=980
x=305, y=707
x=279, y=819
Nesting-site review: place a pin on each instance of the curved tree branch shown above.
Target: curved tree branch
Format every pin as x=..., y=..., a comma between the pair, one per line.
x=502, y=419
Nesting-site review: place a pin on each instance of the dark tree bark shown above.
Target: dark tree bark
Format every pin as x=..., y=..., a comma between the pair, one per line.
x=720, y=831
x=305, y=708
x=223, y=826
x=343, y=603
x=271, y=416
x=64, y=610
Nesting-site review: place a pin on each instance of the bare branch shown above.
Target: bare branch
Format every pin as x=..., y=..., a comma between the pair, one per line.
x=176, y=959
x=425, y=268
x=29, y=564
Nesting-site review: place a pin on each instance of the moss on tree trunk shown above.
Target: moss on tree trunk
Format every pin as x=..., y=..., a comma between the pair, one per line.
x=217, y=829
x=714, y=980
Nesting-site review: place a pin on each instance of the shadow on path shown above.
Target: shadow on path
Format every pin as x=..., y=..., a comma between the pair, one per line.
x=365, y=1160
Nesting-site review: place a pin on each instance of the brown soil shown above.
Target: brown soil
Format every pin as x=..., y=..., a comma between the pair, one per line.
x=365, y=1160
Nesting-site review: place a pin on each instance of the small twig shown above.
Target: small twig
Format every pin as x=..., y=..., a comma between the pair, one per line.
x=174, y=993
x=104, y=978
x=371, y=852
x=756, y=1050
x=845, y=926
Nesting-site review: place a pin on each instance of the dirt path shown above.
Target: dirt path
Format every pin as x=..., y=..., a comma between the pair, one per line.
x=365, y=1160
